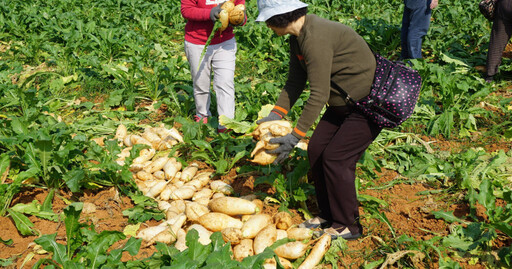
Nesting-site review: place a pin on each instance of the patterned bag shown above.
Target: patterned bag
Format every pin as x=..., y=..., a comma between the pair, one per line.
x=487, y=8
x=393, y=95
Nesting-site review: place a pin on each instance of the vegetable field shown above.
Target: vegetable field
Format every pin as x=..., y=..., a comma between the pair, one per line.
x=434, y=193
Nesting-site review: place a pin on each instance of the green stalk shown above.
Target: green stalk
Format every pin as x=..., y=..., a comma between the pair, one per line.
x=216, y=27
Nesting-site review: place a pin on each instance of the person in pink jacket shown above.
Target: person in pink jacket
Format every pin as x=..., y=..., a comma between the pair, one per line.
x=219, y=59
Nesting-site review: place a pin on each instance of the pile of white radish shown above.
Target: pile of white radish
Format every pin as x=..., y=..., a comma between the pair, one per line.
x=263, y=133
x=191, y=200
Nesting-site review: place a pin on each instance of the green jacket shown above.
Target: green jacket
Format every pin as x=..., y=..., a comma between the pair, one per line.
x=325, y=50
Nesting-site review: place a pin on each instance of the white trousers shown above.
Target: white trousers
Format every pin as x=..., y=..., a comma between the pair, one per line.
x=218, y=61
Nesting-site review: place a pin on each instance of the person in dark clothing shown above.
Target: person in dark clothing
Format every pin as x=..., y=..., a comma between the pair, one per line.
x=322, y=51
x=415, y=24
x=500, y=35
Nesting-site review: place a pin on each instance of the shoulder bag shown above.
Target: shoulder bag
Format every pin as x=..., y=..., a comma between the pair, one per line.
x=487, y=8
x=393, y=95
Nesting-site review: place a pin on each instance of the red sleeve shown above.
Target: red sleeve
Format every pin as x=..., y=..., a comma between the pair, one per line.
x=190, y=10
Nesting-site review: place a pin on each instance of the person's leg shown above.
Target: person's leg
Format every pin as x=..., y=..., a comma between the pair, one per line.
x=223, y=64
x=500, y=35
x=419, y=22
x=201, y=77
x=324, y=132
x=339, y=164
x=406, y=20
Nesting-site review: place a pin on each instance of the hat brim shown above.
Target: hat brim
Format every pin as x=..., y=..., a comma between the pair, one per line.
x=271, y=12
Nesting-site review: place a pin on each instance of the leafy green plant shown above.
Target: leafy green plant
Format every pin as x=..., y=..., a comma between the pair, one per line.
x=85, y=248
x=476, y=236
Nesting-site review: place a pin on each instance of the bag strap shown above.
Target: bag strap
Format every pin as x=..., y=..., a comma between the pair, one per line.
x=343, y=93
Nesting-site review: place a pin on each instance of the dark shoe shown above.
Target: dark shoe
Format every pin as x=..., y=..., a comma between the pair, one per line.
x=342, y=232
x=314, y=223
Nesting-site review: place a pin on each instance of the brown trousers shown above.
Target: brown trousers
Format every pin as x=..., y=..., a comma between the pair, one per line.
x=500, y=35
x=339, y=140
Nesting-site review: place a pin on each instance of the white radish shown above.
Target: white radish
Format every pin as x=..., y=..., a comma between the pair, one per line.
x=269, y=264
x=317, y=252
x=163, y=205
x=285, y=263
x=144, y=176
x=178, y=206
x=299, y=234
x=127, y=140
x=291, y=250
x=216, y=222
x=159, y=175
x=121, y=132
x=156, y=189
x=281, y=234
x=233, y=206
x=233, y=235
x=164, y=133
x=144, y=155
x=157, y=164
x=137, y=139
x=202, y=200
x=204, y=234
x=265, y=238
x=195, y=183
x=195, y=210
x=169, y=235
x=181, y=242
x=258, y=204
x=204, y=193
x=124, y=153
x=221, y=186
x=283, y=220
x=151, y=137
x=166, y=193
x=203, y=177
x=189, y=172
x=218, y=195
x=243, y=250
x=171, y=167
x=254, y=225
x=183, y=193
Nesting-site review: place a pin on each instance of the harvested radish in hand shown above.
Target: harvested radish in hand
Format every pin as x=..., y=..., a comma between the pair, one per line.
x=237, y=14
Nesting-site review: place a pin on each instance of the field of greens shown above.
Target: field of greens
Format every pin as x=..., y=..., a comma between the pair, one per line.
x=434, y=193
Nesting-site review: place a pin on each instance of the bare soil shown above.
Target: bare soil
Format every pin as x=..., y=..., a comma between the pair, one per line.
x=409, y=213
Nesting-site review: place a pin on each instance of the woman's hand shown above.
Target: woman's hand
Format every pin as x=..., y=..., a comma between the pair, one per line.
x=271, y=116
x=433, y=4
x=287, y=143
x=214, y=12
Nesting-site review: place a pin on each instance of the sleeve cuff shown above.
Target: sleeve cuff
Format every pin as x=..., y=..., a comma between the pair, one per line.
x=280, y=111
x=298, y=133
